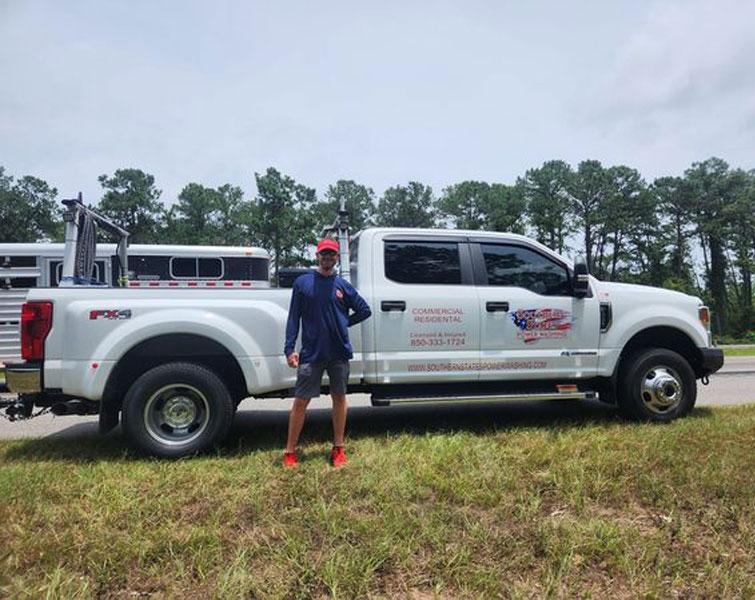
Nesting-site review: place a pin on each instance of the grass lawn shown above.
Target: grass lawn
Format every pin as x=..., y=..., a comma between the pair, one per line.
x=739, y=351
x=474, y=504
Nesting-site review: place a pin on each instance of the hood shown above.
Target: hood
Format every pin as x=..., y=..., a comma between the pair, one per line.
x=607, y=289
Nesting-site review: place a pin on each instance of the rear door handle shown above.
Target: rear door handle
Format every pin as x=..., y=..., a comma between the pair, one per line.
x=497, y=306
x=389, y=305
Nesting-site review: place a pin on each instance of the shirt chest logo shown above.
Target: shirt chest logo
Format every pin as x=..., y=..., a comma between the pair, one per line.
x=339, y=294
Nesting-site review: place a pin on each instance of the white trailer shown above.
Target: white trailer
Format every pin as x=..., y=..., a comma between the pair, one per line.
x=30, y=266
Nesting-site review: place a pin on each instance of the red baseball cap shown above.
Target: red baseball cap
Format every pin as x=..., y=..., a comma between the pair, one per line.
x=327, y=244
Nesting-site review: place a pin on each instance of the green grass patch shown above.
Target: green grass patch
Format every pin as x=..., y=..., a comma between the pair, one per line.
x=475, y=507
x=749, y=351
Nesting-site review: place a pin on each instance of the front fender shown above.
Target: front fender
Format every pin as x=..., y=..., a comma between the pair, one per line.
x=631, y=321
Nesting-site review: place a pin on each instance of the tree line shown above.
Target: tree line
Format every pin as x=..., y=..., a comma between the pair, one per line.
x=694, y=232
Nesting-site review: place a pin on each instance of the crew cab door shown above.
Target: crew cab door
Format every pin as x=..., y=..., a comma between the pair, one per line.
x=425, y=310
x=532, y=326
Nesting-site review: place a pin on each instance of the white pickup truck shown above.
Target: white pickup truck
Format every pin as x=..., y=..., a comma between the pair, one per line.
x=457, y=316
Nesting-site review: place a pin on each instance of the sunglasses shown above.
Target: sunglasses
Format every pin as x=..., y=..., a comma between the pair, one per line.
x=328, y=253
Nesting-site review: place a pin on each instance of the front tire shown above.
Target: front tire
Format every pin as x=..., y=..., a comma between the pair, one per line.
x=656, y=385
x=177, y=409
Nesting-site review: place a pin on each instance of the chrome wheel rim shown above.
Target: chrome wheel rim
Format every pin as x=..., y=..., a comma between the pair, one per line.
x=176, y=414
x=661, y=389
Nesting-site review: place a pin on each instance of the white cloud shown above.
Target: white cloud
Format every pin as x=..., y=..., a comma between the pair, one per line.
x=681, y=89
x=379, y=92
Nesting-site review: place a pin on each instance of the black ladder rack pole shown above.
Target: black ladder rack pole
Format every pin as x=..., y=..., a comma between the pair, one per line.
x=74, y=209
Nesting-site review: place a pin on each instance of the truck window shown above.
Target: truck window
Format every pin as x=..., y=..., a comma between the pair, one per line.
x=517, y=266
x=423, y=262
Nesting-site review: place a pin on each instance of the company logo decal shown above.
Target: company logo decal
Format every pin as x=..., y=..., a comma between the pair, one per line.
x=537, y=323
x=117, y=315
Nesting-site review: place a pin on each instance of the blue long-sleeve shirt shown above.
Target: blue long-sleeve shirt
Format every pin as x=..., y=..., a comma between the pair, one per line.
x=322, y=304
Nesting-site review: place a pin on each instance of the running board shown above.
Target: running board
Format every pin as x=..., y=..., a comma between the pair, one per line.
x=483, y=398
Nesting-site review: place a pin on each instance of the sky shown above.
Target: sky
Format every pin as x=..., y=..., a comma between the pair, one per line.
x=378, y=92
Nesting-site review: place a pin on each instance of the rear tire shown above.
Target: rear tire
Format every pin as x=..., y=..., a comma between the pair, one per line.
x=656, y=385
x=177, y=409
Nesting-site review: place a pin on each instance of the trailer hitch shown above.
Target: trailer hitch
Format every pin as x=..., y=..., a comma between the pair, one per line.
x=20, y=408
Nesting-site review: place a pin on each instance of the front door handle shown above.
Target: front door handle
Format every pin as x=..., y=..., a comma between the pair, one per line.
x=389, y=305
x=497, y=306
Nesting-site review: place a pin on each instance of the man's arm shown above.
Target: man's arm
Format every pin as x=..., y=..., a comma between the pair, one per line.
x=357, y=304
x=292, y=325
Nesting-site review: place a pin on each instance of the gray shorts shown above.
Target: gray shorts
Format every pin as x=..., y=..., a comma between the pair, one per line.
x=309, y=378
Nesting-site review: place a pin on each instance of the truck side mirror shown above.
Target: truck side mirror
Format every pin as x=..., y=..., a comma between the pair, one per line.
x=581, y=283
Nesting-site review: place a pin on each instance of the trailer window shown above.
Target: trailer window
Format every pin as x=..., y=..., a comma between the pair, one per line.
x=210, y=268
x=183, y=267
x=56, y=272
x=246, y=268
x=149, y=268
x=19, y=261
x=423, y=262
x=196, y=268
x=20, y=282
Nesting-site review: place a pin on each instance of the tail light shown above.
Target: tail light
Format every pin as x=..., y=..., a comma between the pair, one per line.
x=704, y=314
x=36, y=322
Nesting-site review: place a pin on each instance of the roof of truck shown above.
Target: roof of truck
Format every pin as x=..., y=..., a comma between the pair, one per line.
x=476, y=233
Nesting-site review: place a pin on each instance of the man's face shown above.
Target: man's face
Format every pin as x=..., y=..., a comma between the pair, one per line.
x=327, y=259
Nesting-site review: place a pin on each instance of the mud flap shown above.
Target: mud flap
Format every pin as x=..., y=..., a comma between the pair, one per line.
x=109, y=416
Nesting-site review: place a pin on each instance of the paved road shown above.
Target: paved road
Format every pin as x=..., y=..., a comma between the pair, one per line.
x=735, y=384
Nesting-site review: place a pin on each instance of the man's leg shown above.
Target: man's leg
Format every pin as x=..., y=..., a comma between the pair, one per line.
x=340, y=407
x=296, y=422
x=338, y=373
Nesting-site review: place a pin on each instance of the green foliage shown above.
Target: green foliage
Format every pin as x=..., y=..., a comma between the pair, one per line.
x=740, y=214
x=629, y=231
x=675, y=200
x=712, y=189
x=360, y=203
x=282, y=218
x=587, y=191
x=465, y=204
x=505, y=209
x=480, y=205
x=545, y=191
x=207, y=216
x=407, y=206
x=131, y=200
x=28, y=211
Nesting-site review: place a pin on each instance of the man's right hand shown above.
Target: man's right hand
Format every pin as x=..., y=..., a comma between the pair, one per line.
x=293, y=360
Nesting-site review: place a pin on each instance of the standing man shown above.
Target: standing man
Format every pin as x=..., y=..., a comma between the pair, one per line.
x=321, y=300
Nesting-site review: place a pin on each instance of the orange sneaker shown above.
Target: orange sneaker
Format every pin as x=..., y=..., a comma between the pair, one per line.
x=289, y=459
x=337, y=456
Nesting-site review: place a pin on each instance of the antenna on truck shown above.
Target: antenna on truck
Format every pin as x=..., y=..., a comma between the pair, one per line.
x=81, y=243
x=340, y=228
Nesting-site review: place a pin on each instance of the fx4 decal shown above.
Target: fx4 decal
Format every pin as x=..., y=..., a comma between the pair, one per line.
x=117, y=315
